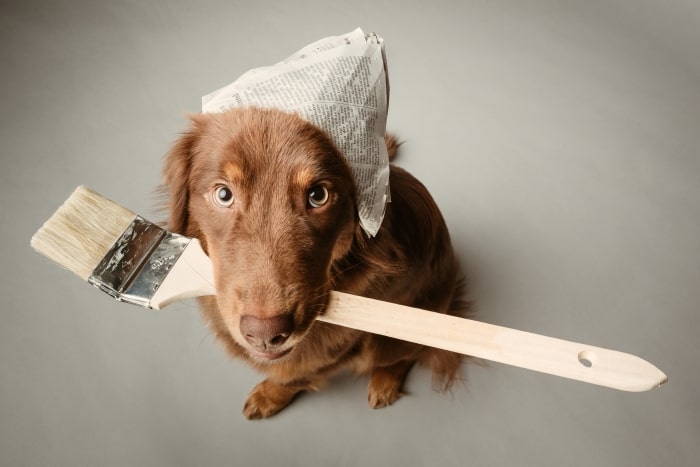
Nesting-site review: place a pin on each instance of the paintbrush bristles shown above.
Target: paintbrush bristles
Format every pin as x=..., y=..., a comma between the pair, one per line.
x=81, y=231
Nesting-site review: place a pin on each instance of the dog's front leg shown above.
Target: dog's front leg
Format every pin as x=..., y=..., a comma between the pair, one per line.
x=386, y=383
x=269, y=397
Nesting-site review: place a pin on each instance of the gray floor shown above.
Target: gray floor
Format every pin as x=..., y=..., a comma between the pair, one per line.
x=560, y=138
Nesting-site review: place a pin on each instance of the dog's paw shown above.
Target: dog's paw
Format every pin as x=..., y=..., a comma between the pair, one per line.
x=267, y=399
x=386, y=383
x=383, y=390
x=382, y=397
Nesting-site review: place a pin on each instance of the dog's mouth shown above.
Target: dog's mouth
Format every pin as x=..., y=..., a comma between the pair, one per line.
x=273, y=338
x=268, y=355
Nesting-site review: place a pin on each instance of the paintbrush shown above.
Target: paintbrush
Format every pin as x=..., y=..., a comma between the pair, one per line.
x=135, y=261
x=122, y=254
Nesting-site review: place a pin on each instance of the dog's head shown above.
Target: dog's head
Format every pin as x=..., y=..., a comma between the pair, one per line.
x=273, y=203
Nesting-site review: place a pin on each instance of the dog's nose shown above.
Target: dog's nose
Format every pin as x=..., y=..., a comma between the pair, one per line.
x=267, y=333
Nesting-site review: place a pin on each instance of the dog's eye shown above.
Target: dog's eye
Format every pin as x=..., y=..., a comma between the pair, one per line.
x=223, y=196
x=318, y=196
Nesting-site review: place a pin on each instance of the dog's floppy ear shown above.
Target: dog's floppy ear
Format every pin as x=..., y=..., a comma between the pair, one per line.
x=176, y=176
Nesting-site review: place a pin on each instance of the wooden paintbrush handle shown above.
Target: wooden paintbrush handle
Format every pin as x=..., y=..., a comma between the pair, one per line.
x=532, y=351
x=192, y=276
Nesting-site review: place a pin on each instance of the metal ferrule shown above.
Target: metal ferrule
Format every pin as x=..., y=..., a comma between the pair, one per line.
x=138, y=262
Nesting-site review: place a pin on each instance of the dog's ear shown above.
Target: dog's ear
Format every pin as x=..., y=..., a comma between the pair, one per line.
x=176, y=176
x=392, y=145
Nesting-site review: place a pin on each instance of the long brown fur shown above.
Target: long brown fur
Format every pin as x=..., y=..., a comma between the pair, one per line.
x=276, y=256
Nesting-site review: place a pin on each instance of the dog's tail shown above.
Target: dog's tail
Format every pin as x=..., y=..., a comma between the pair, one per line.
x=392, y=145
x=446, y=366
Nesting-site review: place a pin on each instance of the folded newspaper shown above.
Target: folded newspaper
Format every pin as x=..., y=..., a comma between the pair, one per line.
x=340, y=85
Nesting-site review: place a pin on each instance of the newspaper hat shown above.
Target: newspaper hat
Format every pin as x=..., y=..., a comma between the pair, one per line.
x=340, y=85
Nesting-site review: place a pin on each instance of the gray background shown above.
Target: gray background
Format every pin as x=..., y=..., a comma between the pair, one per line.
x=561, y=140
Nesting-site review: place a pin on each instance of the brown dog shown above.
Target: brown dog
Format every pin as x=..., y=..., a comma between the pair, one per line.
x=273, y=203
